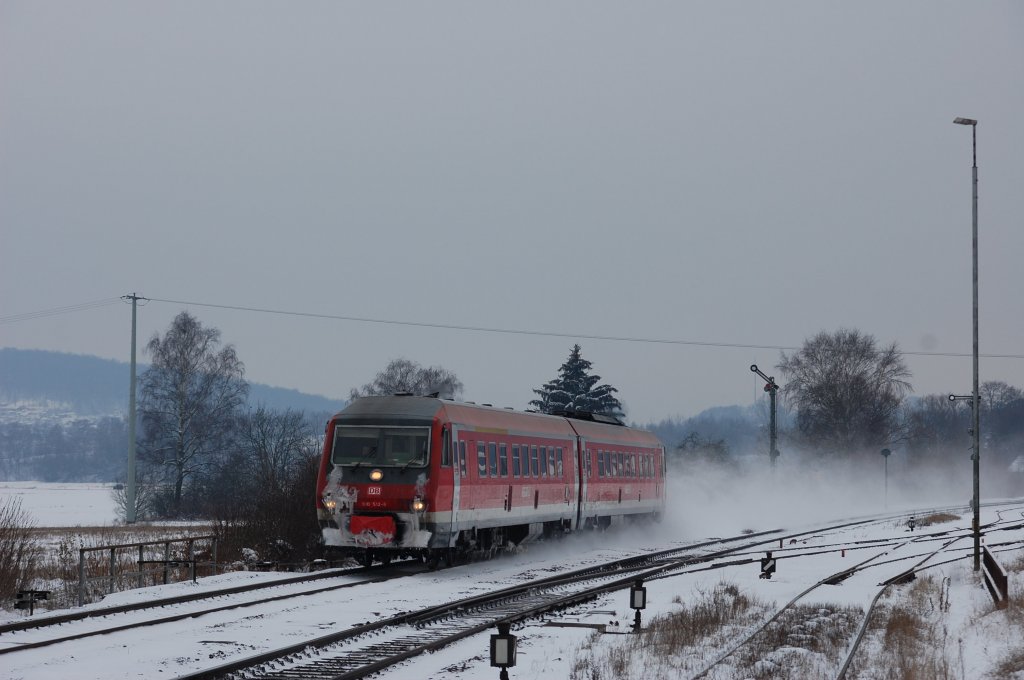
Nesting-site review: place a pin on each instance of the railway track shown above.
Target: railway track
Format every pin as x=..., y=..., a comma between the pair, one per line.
x=45, y=631
x=894, y=562
x=370, y=648
x=388, y=636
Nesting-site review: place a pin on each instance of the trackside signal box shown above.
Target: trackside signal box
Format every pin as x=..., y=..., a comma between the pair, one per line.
x=27, y=599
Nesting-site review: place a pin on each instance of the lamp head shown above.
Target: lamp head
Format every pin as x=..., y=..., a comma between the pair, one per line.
x=965, y=121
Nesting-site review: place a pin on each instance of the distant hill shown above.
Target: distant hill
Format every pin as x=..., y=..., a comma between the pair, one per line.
x=91, y=386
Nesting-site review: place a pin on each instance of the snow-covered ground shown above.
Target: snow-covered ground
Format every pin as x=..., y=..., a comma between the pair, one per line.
x=63, y=505
x=976, y=638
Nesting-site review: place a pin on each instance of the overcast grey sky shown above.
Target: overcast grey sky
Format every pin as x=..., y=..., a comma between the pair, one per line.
x=739, y=173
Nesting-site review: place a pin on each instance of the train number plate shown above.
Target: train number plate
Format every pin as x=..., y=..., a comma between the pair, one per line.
x=373, y=490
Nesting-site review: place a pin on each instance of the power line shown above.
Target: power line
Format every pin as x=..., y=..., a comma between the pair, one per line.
x=56, y=311
x=105, y=302
x=552, y=334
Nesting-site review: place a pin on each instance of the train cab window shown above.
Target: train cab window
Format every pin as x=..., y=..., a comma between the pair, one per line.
x=492, y=454
x=399, y=446
x=534, y=462
x=558, y=463
x=462, y=458
x=503, y=459
x=515, y=460
x=481, y=459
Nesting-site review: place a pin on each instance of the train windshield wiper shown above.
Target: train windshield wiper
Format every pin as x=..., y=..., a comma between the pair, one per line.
x=371, y=452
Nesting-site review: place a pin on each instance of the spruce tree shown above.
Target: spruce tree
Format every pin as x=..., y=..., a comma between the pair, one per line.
x=575, y=389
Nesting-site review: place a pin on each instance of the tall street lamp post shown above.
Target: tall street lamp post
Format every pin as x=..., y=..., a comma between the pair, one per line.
x=974, y=394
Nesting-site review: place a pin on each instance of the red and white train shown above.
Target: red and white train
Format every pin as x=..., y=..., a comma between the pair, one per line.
x=438, y=479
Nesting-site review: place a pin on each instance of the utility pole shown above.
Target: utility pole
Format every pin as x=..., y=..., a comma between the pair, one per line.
x=771, y=388
x=129, y=514
x=975, y=403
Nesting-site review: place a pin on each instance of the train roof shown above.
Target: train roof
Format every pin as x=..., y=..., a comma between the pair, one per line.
x=413, y=409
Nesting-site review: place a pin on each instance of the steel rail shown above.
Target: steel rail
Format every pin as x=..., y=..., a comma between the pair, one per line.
x=43, y=621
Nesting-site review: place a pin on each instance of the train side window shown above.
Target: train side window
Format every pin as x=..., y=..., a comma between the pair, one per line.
x=481, y=458
x=618, y=463
x=632, y=465
x=534, y=463
x=515, y=460
x=503, y=459
x=544, y=461
x=462, y=458
x=492, y=453
x=558, y=462
x=600, y=464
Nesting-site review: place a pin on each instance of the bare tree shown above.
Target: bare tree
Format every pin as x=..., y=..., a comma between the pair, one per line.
x=403, y=375
x=847, y=391
x=276, y=445
x=190, y=397
x=18, y=549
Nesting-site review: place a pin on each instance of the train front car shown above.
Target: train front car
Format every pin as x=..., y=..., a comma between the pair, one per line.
x=378, y=479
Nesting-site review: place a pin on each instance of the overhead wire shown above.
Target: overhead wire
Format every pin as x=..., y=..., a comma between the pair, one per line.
x=14, y=318
x=56, y=311
x=553, y=334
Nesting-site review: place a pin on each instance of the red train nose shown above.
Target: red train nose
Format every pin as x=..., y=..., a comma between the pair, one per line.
x=368, y=530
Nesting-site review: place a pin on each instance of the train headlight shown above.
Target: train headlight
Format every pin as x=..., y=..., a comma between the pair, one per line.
x=329, y=502
x=418, y=504
x=376, y=475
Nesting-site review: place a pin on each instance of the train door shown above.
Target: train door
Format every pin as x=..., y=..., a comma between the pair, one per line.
x=579, y=463
x=451, y=442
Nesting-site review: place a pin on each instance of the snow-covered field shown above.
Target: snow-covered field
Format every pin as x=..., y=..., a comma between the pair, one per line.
x=63, y=505
x=975, y=638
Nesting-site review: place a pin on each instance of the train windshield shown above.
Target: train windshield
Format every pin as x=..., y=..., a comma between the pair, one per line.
x=380, y=446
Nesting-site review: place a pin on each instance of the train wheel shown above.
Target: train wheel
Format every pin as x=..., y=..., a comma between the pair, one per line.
x=433, y=560
x=385, y=559
x=367, y=559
